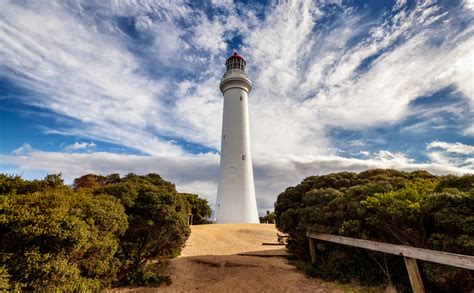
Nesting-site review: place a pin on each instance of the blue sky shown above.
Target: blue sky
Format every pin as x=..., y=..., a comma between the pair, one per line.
x=132, y=86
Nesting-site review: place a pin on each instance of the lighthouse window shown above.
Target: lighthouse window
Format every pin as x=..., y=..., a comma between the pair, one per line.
x=241, y=98
x=243, y=157
x=223, y=136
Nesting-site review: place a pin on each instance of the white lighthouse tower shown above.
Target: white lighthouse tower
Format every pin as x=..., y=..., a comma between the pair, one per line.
x=236, y=201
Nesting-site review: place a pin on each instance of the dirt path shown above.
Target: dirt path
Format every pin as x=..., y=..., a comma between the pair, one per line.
x=210, y=262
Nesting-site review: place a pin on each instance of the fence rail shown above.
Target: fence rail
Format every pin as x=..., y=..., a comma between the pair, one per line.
x=409, y=253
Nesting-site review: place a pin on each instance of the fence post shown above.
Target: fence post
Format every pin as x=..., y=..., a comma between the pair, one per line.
x=312, y=250
x=414, y=275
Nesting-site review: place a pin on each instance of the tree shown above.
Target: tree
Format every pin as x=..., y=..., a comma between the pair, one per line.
x=158, y=229
x=269, y=218
x=14, y=184
x=200, y=209
x=93, y=181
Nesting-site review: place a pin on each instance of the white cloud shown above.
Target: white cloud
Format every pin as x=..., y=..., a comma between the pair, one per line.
x=199, y=112
x=79, y=146
x=24, y=149
x=401, y=75
x=436, y=116
x=191, y=173
x=208, y=35
x=469, y=131
x=81, y=73
x=455, y=154
x=456, y=147
x=188, y=172
x=307, y=76
x=309, y=79
x=439, y=157
x=469, y=4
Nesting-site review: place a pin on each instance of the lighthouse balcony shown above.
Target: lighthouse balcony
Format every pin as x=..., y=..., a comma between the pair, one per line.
x=235, y=73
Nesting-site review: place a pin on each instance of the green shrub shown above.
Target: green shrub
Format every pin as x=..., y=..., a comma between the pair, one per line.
x=415, y=208
x=4, y=278
x=105, y=230
x=269, y=218
x=150, y=274
x=59, y=240
x=158, y=227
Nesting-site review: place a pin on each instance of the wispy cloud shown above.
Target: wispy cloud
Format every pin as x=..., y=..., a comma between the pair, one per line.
x=309, y=75
x=456, y=154
x=79, y=146
x=469, y=4
x=456, y=147
x=81, y=73
x=469, y=131
x=366, y=83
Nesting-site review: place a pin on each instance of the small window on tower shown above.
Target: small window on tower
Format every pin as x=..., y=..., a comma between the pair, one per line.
x=241, y=98
x=223, y=136
x=243, y=157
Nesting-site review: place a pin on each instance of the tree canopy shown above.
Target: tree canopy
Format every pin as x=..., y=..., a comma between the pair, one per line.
x=410, y=208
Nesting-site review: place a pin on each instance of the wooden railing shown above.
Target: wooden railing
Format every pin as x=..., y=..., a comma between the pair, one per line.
x=409, y=253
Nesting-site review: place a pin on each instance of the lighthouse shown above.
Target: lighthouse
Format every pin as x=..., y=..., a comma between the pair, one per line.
x=236, y=202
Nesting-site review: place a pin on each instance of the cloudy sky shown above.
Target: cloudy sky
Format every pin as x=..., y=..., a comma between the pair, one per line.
x=132, y=86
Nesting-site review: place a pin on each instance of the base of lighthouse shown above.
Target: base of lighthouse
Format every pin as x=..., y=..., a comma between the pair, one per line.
x=236, y=198
x=232, y=211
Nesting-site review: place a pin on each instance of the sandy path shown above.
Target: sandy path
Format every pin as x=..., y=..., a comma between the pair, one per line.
x=210, y=263
x=228, y=239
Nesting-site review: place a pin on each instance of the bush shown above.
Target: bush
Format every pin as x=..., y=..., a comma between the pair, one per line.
x=4, y=279
x=105, y=230
x=416, y=208
x=157, y=217
x=59, y=240
x=150, y=274
x=269, y=218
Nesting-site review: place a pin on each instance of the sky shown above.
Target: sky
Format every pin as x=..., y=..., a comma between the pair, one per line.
x=133, y=86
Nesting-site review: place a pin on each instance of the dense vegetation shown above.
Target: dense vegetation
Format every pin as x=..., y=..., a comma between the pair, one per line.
x=104, y=230
x=269, y=218
x=416, y=209
x=200, y=209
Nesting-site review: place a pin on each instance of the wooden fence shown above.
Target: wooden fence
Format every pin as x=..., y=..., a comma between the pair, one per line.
x=409, y=253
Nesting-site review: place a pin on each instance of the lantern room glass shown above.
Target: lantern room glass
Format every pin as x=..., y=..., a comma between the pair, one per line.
x=235, y=63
